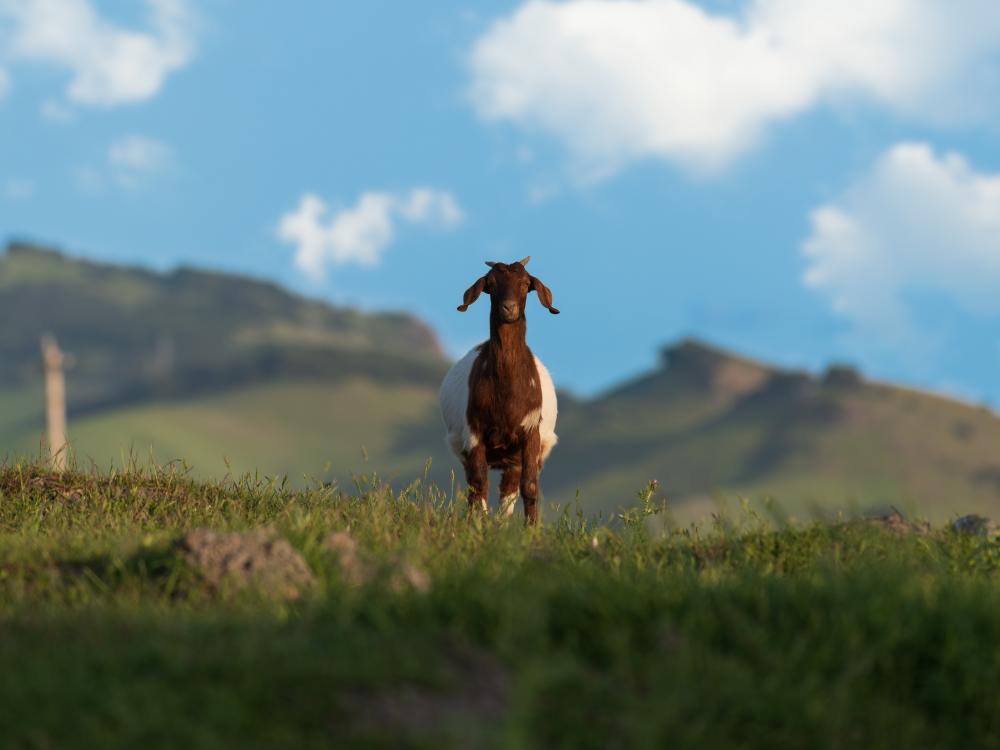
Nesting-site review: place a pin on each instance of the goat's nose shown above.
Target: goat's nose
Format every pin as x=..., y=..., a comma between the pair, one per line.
x=510, y=308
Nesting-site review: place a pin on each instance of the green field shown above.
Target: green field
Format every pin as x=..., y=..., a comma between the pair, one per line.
x=833, y=448
x=417, y=625
x=305, y=430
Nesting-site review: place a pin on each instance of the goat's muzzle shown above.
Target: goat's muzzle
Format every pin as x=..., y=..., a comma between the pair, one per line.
x=510, y=312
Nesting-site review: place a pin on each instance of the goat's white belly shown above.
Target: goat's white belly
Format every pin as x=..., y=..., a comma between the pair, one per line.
x=454, y=398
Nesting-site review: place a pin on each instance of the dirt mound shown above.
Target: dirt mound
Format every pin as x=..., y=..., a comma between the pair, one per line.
x=897, y=524
x=255, y=559
x=354, y=567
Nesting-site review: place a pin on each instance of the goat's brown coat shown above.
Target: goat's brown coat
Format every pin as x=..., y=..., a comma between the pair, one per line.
x=505, y=395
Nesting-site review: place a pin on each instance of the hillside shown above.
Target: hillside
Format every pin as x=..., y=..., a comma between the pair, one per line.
x=255, y=379
x=136, y=334
x=209, y=367
x=707, y=423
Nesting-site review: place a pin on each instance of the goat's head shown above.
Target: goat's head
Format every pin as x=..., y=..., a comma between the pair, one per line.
x=508, y=285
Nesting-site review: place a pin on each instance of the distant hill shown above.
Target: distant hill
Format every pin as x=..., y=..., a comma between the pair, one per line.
x=232, y=374
x=152, y=352
x=709, y=424
x=135, y=334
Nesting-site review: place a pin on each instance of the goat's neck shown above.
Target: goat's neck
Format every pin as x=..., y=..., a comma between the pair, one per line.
x=508, y=348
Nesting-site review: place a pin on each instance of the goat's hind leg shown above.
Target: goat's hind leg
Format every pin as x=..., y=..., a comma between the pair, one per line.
x=477, y=474
x=510, y=486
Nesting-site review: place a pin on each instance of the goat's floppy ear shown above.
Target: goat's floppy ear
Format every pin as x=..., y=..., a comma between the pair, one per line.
x=472, y=294
x=544, y=294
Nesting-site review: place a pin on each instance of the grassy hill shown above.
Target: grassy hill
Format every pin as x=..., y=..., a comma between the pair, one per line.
x=225, y=372
x=145, y=609
x=256, y=379
x=136, y=334
x=305, y=429
x=710, y=425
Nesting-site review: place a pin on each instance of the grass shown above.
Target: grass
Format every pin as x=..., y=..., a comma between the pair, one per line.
x=828, y=449
x=579, y=633
x=298, y=428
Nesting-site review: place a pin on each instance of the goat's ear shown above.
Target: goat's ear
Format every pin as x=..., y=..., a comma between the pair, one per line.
x=472, y=294
x=544, y=294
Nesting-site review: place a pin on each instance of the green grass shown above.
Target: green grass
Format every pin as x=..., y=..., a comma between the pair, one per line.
x=305, y=429
x=575, y=634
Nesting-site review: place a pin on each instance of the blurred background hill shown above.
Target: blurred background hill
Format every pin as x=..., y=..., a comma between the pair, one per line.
x=233, y=374
x=207, y=367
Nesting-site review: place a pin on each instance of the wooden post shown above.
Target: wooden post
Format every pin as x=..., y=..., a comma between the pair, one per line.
x=55, y=401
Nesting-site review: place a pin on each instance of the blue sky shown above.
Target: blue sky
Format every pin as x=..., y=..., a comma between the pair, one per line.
x=802, y=181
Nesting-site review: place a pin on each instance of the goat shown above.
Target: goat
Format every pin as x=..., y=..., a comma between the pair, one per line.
x=498, y=401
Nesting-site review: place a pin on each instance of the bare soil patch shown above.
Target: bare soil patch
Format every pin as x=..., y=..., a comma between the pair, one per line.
x=897, y=524
x=259, y=559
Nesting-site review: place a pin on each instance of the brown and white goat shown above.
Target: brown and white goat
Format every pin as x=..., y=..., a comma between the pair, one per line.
x=498, y=401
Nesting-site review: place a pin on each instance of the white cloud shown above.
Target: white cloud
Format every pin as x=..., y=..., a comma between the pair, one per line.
x=360, y=234
x=109, y=65
x=136, y=158
x=918, y=222
x=622, y=80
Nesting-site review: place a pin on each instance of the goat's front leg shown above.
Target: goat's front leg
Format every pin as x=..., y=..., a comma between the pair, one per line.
x=530, y=468
x=477, y=474
x=510, y=485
